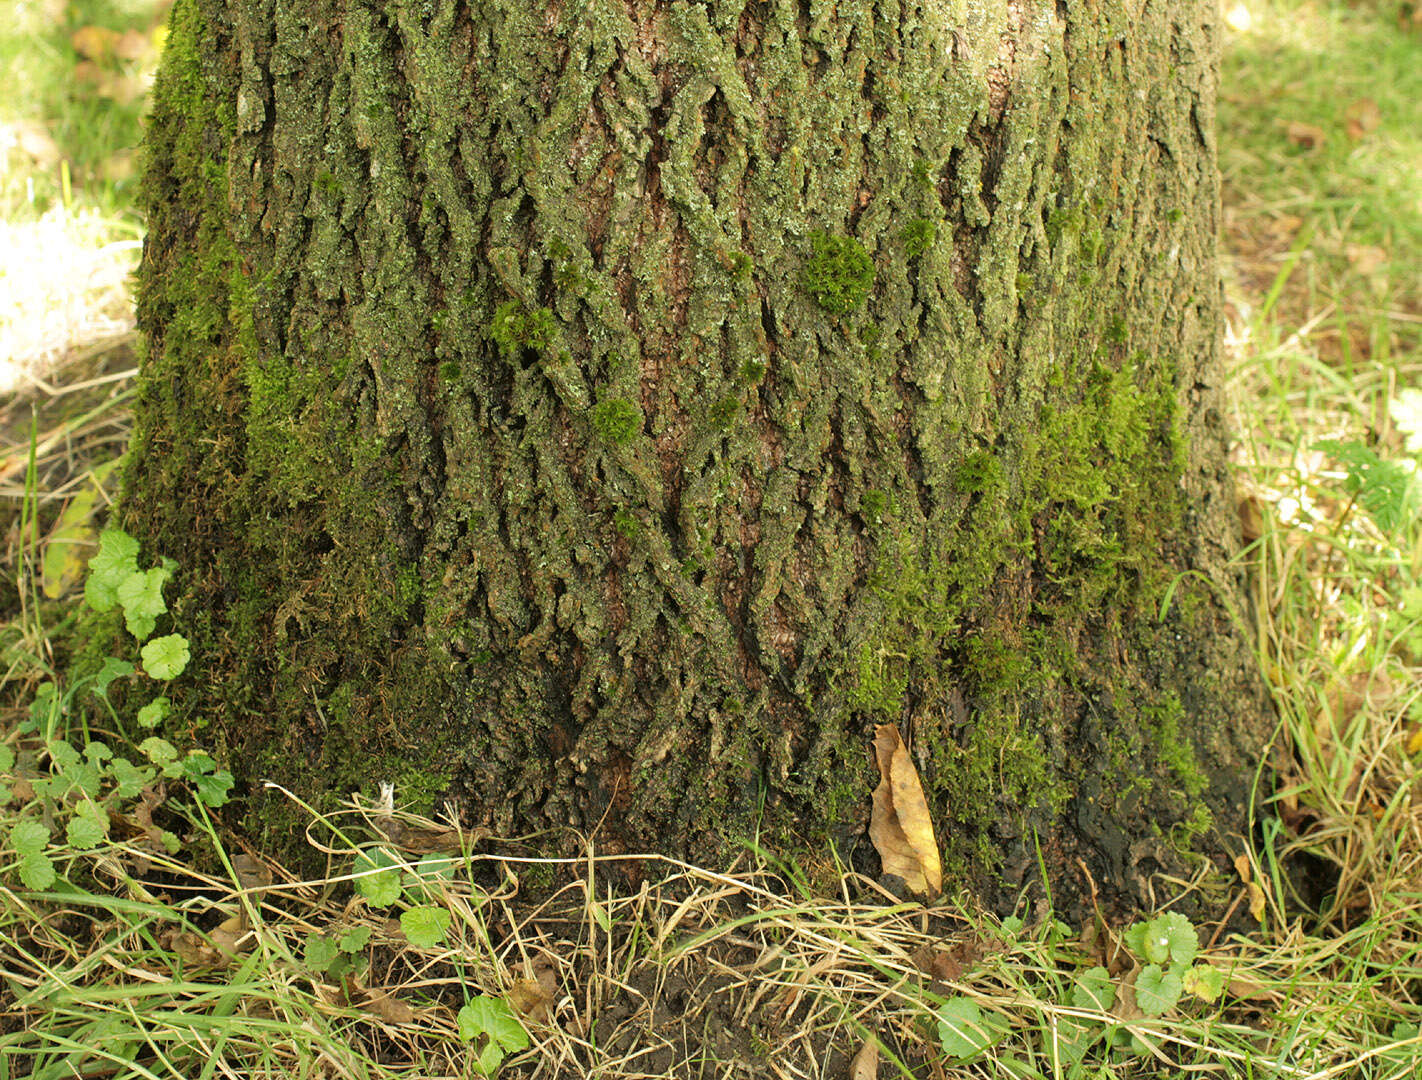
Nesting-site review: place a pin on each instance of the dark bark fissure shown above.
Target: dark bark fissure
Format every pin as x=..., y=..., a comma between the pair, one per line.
x=610, y=416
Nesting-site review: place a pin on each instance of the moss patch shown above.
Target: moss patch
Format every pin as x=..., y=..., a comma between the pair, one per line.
x=839, y=273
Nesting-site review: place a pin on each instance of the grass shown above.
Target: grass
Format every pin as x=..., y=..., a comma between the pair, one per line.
x=424, y=951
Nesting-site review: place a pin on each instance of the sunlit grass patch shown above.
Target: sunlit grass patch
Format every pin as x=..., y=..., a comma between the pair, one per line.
x=63, y=289
x=1321, y=149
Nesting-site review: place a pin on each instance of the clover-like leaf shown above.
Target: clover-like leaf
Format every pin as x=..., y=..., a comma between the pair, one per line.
x=1157, y=991
x=7, y=757
x=37, y=872
x=154, y=713
x=1204, y=981
x=141, y=594
x=166, y=657
x=963, y=1030
x=424, y=926
x=28, y=837
x=116, y=560
x=1094, y=989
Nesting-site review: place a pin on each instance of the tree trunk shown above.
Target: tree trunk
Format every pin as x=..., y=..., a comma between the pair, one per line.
x=606, y=412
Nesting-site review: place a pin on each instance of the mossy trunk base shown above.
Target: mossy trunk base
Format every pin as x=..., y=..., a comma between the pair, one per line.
x=604, y=414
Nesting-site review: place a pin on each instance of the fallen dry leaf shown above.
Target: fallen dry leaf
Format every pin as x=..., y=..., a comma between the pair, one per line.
x=899, y=824
x=937, y=963
x=1362, y=117
x=1126, y=1007
x=1248, y=990
x=251, y=873
x=1251, y=518
x=390, y=1009
x=1306, y=136
x=1257, y=902
x=218, y=949
x=133, y=45
x=34, y=139
x=865, y=1065
x=94, y=42
x=1243, y=868
x=530, y=998
x=947, y=963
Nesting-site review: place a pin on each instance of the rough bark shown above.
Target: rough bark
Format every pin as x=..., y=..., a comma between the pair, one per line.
x=607, y=411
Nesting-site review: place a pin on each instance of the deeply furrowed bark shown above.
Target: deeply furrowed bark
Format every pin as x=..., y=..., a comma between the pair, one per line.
x=608, y=411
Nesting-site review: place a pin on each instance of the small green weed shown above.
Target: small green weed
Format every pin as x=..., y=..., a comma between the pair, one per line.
x=1091, y=1010
x=85, y=788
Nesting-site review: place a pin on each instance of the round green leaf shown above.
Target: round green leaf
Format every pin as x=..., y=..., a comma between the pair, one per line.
x=489, y=1059
x=113, y=668
x=963, y=1029
x=1134, y=938
x=213, y=787
x=61, y=755
x=141, y=594
x=492, y=1016
x=117, y=558
x=381, y=889
x=28, y=837
x=128, y=778
x=1073, y=1038
x=159, y=751
x=1157, y=991
x=154, y=713
x=85, y=832
x=1204, y=981
x=424, y=926
x=166, y=657
x=7, y=757
x=1094, y=989
x=320, y=952
x=1180, y=936
x=37, y=872
x=354, y=940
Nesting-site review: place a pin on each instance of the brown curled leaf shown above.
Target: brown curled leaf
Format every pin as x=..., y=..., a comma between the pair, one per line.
x=899, y=824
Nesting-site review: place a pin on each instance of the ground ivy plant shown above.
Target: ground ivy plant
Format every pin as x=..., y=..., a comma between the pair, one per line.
x=1165, y=973
x=63, y=789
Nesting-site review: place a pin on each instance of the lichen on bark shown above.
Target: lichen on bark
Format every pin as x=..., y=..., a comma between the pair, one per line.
x=607, y=413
